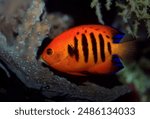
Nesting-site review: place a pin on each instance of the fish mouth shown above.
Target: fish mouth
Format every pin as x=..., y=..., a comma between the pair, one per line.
x=42, y=60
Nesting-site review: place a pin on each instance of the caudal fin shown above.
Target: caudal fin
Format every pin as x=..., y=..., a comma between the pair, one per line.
x=127, y=51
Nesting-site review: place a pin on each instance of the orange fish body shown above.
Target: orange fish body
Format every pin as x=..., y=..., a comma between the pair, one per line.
x=93, y=49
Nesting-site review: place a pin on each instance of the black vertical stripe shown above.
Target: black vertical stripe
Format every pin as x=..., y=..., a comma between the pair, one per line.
x=76, y=51
x=85, y=48
x=109, y=47
x=73, y=50
x=94, y=46
x=70, y=50
x=102, y=47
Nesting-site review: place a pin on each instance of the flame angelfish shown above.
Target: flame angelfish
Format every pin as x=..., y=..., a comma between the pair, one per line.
x=93, y=49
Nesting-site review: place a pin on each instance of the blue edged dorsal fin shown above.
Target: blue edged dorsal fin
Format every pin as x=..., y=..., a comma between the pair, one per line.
x=117, y=62
x=117, y=38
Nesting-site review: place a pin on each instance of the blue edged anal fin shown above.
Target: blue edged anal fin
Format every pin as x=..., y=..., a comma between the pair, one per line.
x=117, y=64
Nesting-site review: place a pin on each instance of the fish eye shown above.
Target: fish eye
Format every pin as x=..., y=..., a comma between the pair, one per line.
x=49, y=51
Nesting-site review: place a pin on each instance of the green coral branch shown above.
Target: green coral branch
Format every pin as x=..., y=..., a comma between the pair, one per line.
x=137, y=11
x=130, y=10
x=95, y=4
x=108, y=4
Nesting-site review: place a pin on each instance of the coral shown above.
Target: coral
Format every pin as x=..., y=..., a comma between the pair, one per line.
x=136, y=11
x=133, y=14
x=96, y=4
x=26, y=33
x=32, y=31
x=108, y=4
x=10, y=16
